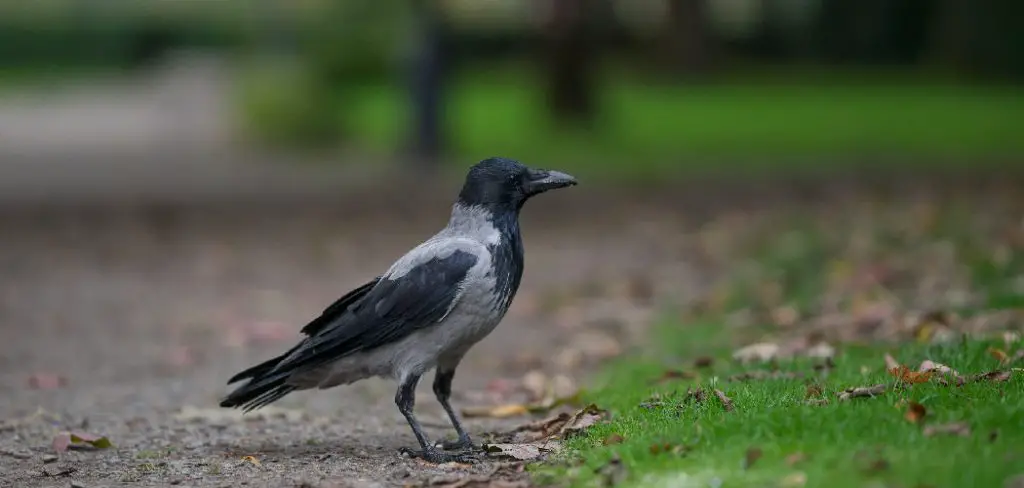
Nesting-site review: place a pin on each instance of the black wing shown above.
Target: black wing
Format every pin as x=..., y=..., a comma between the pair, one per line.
x=338, y=308
x=389, y=311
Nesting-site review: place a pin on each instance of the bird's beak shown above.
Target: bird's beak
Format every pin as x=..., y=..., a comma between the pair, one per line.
x=542, y=180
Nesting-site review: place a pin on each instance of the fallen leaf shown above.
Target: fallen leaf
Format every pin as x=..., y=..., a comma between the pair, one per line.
x=76, y=440
x=862, y=391
x=613, y=439
x=765, y=375
x=250, y=459
x=498, y=412
x=785, y=316
x=703, y=362
x=674, y=374
x=668, y=448
x=813, y=391
x=996, y=376
x=998, y=355
x=581, y=420
x=906, y=375
x=891, y=363
x=961, y=429
x=536, y=384
x=795, y=458
x=563, y=425
x=820, y=350
x=794, y=480
x=753, y=454
x=694, y=395
x=726, y=402
x=46, y=381
x=520, y=452
x=929, y=366
x=915, y=412
x=763, y=352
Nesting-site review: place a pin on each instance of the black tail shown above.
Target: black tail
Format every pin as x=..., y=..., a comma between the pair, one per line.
x=261, y=390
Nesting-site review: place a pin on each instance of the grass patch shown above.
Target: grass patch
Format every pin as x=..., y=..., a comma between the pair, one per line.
x=652, y=128
x=848, y=443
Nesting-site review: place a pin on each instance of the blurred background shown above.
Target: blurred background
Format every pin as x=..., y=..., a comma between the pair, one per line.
x=183, y=183
x=610, y=86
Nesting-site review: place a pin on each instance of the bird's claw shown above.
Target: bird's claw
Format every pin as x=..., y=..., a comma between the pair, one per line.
x=436, y=456
x=461, y=444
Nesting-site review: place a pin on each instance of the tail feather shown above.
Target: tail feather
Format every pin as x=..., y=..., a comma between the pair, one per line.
x=265, y=386
x=258, y=393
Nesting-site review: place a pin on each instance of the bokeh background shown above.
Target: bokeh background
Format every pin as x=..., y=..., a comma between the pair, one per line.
x=184, y=183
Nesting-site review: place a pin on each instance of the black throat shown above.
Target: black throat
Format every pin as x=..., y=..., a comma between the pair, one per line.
x=508, y=258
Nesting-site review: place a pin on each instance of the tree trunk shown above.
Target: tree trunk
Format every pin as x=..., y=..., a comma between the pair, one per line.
x=427, y=75
x=689, y=39
x=568, y=52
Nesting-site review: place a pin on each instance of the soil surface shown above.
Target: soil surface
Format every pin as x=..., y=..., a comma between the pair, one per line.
x=125, y=321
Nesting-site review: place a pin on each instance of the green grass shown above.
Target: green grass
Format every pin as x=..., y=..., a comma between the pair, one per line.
x=654, y=127
x=846, y=444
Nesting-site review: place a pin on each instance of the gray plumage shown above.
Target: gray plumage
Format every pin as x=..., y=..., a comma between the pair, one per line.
x=425, y=312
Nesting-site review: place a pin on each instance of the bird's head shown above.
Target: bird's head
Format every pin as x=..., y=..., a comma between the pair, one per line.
x=500, y=182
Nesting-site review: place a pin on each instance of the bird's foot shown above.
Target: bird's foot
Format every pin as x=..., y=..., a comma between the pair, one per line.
x=437, y=456
x=463, y=443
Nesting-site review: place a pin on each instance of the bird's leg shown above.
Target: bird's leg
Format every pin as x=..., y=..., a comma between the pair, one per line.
x=443, y=390
x=405, y=398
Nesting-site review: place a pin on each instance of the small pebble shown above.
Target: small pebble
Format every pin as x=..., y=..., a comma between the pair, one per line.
x=49, y=458
x=76, y=484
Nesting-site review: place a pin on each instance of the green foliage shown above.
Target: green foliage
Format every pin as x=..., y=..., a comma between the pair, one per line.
x=284, y=106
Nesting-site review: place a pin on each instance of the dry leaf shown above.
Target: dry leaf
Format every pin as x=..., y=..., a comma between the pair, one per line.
x=764, y=351
x=250, y=459
x=998, y=355
x=795, y=458
x=694, y=395
x=753, y=454
x=915, y=412
x=765, y=375
x=820, y=350
x=891, y=363
x=78, y=440
x=674, y=374
x=613, y=439
x=520, y=452
x=498, y=412
x=563, y=425
x=906, y=375
x=929, y=366
x=996, y=376
x=813, y=391
x=668, y=448
x=703, y=362
x=46, y=381
x=961, y=429
x=861, y=391
x=794, y=480
x=726, y=402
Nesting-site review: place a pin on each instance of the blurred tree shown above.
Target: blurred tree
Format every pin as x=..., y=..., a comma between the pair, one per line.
x=689, y=38
x=426, y=82
x=568, y=54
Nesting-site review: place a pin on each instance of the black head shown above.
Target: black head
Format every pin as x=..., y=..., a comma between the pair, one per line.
x=500, y=182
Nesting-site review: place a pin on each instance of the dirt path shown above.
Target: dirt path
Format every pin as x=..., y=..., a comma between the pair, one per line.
x=145, y=314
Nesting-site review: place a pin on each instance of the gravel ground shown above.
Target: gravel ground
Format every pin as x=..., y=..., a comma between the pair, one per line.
x=125, y=321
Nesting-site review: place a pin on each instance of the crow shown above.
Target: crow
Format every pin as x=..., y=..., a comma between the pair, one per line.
x=426, y=311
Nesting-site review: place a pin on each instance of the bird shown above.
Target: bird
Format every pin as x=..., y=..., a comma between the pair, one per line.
x=423, y=313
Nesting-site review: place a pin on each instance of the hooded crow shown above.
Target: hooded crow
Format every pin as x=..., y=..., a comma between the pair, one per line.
x=426, y=311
